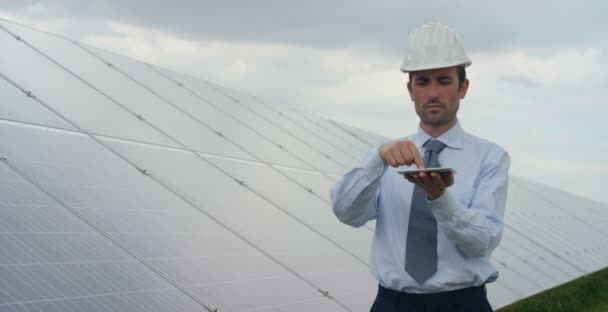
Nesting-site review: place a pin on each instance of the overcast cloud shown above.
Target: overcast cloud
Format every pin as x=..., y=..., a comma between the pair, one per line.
x=537, y=81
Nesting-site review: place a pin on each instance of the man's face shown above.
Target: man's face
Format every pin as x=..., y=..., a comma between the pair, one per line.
x=436, y=95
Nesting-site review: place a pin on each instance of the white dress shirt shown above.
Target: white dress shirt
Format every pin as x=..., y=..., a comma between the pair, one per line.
x=469, y=214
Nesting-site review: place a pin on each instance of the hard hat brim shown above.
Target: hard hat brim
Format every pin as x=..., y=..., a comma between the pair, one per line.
x=406, y=69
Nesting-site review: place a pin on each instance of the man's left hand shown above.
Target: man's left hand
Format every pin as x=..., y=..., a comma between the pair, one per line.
x=434, y=184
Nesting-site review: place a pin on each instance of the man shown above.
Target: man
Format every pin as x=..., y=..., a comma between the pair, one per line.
x=434, y=232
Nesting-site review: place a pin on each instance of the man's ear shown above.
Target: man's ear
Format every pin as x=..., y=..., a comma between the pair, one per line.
x=463, y=88
x=409, y=89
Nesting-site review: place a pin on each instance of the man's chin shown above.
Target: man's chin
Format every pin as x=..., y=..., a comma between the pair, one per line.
x=435, y=122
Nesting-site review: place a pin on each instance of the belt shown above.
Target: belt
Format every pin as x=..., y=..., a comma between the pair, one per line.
x=457, y=296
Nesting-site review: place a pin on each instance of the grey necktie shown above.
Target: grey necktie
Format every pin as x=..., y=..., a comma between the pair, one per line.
x=421, y=248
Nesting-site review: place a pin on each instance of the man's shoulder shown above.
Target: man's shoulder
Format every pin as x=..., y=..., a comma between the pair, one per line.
x=492, y=155
x=483, y=143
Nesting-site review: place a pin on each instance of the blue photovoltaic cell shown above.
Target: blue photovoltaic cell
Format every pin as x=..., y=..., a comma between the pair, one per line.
x=299, y=203
x=297, y=247
x=51, y=260
x=198, y=253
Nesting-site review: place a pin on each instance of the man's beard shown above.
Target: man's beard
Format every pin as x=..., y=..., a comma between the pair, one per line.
x=445, y=118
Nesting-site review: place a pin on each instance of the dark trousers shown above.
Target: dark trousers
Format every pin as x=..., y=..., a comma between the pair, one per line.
x=472, y=299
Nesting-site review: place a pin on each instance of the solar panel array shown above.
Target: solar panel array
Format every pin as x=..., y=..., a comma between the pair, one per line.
x=129, y=187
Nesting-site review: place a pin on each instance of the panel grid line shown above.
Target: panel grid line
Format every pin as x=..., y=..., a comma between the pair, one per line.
x=111, y=99
x=46, y=285
x=112, y=238
x=227, y=173
x=251, y=243
x=305, y=116
x=194, y=118
x=43, y=263
x=64, y=276
x=351, y=133
x=28, y=93
x=561, y=208
x=563, y=240
x=539, y=268
x=182, y=85
x=212, y=309
x=222, y=170
x=280, y=305
x=312, y=122
x=91, y=296
x=283, y=115
x=543, y=247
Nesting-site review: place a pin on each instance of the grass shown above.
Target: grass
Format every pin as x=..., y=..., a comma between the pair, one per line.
x=588, y=293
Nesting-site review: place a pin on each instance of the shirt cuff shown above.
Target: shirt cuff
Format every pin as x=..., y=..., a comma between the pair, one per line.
x=445, y=207
x=374, y=166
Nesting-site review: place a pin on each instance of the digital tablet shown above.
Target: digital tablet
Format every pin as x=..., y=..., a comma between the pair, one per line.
x=427, y=170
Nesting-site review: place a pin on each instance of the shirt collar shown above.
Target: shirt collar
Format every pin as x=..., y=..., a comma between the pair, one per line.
x=452, y=138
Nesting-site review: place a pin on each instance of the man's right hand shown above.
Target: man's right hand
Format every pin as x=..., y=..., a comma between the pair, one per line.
x=400, y=152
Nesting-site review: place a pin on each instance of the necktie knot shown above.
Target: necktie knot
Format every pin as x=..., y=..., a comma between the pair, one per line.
x=434, y=146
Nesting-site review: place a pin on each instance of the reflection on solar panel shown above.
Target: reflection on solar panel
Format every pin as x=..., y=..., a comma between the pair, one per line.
x=128, y=187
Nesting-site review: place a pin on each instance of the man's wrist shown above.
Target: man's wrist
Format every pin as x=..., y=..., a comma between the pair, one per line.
x=432, y=197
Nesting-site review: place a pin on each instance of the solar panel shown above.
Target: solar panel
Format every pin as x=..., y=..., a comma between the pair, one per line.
x=122, y=201
x=16, y=106
x=46, y=80
x=128, y=187
x=52, y=260
x=549, y=273
x=324, y=127
x=262, y=223
x=233, y=129
x=543, y=222
x=285, y=121
x=320, y=155
x=313, y=212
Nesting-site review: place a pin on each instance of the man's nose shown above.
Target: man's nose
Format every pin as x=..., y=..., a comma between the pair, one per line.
x=433, y=93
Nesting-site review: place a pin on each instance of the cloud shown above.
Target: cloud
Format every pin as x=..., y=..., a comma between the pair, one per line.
x=566, y=67
x=518, y=80
x=540, y=89
x=324, y=80
x=381, y=25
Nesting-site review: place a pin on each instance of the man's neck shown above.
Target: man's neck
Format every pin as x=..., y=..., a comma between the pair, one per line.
x=437, y=131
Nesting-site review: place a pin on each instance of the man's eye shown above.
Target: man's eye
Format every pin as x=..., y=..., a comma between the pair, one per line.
x=445, y=81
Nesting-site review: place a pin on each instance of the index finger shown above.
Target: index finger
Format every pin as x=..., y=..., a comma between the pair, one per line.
x=417, y=159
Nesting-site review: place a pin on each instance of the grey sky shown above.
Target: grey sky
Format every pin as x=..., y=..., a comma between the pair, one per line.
x=537, y=80
x=376, y=24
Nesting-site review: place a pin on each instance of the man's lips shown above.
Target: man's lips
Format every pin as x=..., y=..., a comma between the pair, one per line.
x=433, y=105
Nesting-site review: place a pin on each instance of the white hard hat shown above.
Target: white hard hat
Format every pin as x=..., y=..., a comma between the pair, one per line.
x=434, y=46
